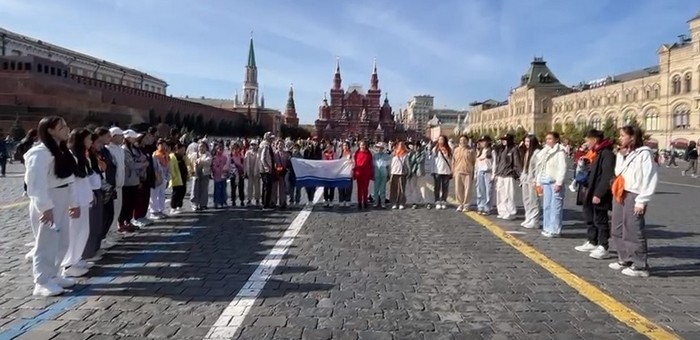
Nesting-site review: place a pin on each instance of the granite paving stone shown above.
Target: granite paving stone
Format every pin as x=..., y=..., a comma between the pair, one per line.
x=411, y=274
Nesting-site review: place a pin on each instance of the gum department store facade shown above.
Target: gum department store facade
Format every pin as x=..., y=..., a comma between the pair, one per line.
x=664, y=99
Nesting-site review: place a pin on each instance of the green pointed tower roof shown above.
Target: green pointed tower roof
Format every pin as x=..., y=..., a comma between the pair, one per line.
x=251, y=52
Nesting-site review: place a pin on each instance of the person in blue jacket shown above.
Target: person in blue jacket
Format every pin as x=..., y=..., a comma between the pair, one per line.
x=381, y=174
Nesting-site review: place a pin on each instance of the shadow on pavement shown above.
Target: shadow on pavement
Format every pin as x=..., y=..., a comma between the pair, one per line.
x=208, y=260
x=681, y=270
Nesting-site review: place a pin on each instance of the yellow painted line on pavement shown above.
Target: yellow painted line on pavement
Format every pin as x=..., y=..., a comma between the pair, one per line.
x=14, y=205
x=615, y=308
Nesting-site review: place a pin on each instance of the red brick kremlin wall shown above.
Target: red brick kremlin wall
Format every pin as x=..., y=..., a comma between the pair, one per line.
x=33, y=87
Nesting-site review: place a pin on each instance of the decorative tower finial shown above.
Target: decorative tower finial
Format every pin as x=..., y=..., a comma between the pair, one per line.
x=250, y=84
x=337, y=81
x=374, y=79
x=290, y=113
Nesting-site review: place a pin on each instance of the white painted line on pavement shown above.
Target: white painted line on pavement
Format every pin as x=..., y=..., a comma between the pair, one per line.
x=233, y=315
x=681, y=184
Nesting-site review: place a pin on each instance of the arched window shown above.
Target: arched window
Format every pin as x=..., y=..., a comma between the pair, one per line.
x=681, y=117
x=657, y=92
x=688, y=82
x=634, y=95
x=596, y=123
x=581, y=122
x=676, y=84
x=651, y=120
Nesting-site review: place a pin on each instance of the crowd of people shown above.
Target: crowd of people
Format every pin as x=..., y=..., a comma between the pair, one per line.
x=84, y=182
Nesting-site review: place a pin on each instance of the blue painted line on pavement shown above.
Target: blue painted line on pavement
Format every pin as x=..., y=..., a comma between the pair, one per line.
x=61, y=306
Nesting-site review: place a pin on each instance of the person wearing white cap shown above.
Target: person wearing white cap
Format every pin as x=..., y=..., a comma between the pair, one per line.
x=115, y=149
x=266, y=169
x=135, y=165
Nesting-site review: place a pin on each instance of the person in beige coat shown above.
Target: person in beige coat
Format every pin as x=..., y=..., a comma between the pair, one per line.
x=463, y=172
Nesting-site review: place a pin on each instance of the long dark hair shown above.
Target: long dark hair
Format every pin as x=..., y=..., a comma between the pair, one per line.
x=636, y=133
x=447, y=145
x=64, y=163
x=77, y=146
x=528, y=151
x=30, y=137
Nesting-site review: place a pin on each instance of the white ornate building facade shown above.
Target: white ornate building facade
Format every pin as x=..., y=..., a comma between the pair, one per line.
x=664, y=99
x=17, y=45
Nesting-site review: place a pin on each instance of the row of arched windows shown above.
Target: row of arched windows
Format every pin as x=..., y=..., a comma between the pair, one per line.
x=684, y=85
x=650, y=120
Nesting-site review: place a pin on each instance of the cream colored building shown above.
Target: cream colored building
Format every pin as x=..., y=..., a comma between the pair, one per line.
x=417, y=112
x=14, y=44
x=664, y=99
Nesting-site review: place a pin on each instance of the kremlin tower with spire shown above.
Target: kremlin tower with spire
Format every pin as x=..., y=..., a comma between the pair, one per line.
x=354, y=113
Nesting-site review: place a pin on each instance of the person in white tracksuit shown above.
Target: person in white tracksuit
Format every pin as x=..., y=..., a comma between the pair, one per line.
x=117, y=152
x=49, y=176
x=79, y=230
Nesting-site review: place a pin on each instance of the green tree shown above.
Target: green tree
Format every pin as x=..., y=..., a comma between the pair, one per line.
x=210, y=128
x=520, y=134
x=199, y=124
x=169, y=118
x=177, y=120
x=610, y=129
x=558, y=128
x=573, y=133
x=16, y=130
x=152, y=117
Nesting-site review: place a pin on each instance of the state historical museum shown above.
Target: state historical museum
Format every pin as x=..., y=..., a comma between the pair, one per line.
x=355, y=114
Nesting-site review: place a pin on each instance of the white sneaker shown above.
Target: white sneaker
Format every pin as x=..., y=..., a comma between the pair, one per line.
x=174, y=211
x=138, y=223
x=84, y=264
x=63, y=282
x=546, y=234
x=74, y=271
x=617, y=266
x=586, y=247
x=599, y=253
x=531, y=226
x=401, y=207
x=459, y=208
x=394, y=207
x=635, y=272
x=508, y=217
x=48, y=289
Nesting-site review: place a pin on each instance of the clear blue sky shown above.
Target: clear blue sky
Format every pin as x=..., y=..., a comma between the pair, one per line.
x=458, y=51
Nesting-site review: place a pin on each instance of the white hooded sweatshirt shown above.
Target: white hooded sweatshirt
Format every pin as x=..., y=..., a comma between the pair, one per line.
x=40, y=178
x=640, y=173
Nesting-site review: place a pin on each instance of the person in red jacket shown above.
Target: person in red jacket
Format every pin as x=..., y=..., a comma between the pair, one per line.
x=363, y=173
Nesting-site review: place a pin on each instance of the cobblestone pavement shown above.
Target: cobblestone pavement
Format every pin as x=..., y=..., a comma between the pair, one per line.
x=11, y=187
x=355, y=275
x=670, y=297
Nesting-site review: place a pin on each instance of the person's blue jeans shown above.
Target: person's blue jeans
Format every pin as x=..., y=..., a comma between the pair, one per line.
x=483, y=191
x=220, y=192
x=553, y=208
